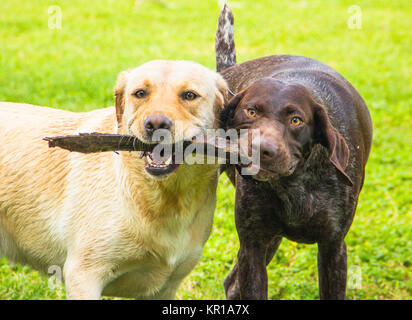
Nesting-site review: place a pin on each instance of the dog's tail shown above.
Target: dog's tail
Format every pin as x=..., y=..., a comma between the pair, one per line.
x=225, y=40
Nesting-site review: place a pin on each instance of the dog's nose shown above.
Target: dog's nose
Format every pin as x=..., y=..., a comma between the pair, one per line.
x=155, y=122
x=268, y=150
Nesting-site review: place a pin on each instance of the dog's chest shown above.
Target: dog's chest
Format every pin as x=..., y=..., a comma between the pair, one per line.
x=164, y=255
x=172, y=245
x=157, y=271
x=311, y=206
x=162, y=241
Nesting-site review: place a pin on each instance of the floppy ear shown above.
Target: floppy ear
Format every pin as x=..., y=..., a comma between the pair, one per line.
x=229, y=110
x=119, y=96
x=221, y=95
x=327, y=135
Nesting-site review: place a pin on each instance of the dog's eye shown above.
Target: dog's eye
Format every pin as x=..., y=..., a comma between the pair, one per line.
x=140, y=94
x=189, y=95
x=251, y=112
x=296, y=121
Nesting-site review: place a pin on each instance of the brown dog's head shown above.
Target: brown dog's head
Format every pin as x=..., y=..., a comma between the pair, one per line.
x=290, y=123
x=180, y=97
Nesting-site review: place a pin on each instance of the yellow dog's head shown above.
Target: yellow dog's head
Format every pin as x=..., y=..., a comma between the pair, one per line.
x=180, y=97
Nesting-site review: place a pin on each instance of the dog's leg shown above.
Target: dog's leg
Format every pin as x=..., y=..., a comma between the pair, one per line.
x=272, y=248
x=332, y=270
x=169, y=289
x=168, y=292
x=231, y=283
x=257, y=230
x=252, y=273
x=82, y=281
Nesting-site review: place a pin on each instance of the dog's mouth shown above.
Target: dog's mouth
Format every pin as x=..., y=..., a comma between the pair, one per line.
x=260, y=173
x=159, y=168
x=266, y=174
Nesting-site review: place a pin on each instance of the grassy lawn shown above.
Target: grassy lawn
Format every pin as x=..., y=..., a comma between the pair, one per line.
x=75, y=68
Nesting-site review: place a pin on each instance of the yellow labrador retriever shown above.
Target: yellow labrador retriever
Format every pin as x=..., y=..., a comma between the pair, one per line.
x=117, y=224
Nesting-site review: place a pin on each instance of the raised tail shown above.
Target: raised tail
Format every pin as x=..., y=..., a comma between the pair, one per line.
x=225, y=40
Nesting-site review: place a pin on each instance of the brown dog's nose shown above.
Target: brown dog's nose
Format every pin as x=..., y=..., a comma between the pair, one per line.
x=155, y=122
x=268, y=150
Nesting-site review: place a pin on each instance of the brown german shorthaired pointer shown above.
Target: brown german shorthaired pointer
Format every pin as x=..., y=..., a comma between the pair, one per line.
x=316, y=135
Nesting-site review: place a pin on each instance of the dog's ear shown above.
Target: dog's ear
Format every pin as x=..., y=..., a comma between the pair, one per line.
x=228, y=112
x=221, y=97
x=119, y=96
x=327, y=135
x=221, y=94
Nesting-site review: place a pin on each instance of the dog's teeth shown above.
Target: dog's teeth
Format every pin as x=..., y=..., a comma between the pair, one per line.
x=168, y=161
x=153, y=164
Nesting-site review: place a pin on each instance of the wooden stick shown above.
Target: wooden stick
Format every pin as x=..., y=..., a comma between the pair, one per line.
x=98, y=142
x=104, y=142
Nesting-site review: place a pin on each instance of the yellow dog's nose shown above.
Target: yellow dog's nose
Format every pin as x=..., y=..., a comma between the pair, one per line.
x=154, y=122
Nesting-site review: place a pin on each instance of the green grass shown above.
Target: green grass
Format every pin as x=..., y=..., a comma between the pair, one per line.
x=75, y=68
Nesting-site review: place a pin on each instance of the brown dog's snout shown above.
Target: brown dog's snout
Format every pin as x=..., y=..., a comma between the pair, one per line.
x=268, y=150
x=273, y=153
x=155, y=122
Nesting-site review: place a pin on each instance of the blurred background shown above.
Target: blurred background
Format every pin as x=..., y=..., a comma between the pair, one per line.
x=67, y=54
